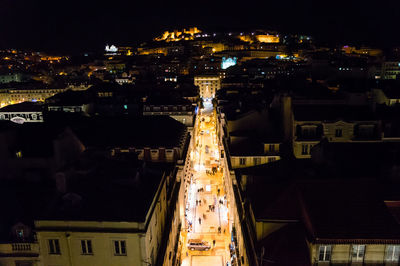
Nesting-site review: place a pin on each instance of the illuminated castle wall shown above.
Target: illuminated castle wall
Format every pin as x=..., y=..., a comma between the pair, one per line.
x=177, y=35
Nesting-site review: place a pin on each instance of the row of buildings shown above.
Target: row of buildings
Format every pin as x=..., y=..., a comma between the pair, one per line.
x=314, y=170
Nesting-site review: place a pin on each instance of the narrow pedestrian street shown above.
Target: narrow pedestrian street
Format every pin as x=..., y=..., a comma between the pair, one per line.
x=206, y=204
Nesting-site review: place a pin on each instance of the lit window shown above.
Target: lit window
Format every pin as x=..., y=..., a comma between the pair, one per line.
x=54, y=246
x=242, y=161
x=271, y=147
x=304, y=149
x=392, y=253
x=357, y=252
x=257, y=161
x=86, y=246
x=338, y=132
x=119, y=247
x=325, y=253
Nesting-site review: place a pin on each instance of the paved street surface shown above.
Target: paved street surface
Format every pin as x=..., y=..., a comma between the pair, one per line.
x=206, y=260
x=206, y=210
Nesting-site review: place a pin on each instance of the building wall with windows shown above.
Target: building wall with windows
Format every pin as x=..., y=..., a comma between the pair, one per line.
x=65, y=247
x=208, y=85
x=104, y=242
x=355, y=254
x=249, y=161
x=307, y=134
x=382, y=98
x=23, y=116
x=182, y=113
x=13, y=96
x=390, y=70
x=13, y=254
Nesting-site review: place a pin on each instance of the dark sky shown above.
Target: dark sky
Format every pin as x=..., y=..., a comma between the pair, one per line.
x=78, y=25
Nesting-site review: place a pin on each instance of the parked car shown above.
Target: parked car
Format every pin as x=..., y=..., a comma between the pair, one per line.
x=198, y=244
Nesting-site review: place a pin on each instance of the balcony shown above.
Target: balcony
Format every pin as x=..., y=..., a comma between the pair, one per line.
x=19, y=249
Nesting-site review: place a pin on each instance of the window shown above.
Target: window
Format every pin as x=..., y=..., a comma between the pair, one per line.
x=20, y=233
x=309, y=131
x=150, y=235
x=86, y=246
x=392, y=253
x=366, y=131
x=271, y=147
x=54, y=246
x=271, y=159
x=304, y=149
x=119, y=247
x=357, y=252
x=338, y=132
x=242, y=161
x=325, y=253
x=257, y=161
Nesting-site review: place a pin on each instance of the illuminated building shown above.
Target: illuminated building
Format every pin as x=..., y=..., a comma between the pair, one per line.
x=149, y=51
x=18, y=94
x=215, y=47
x=208, y=85
x=264, y=38
x=26, y=112
x=390, y=70
x=125, y=50
x=227, y=62
x=53, y=59
x=362, y=51
x=177, y=35
x=111, y=49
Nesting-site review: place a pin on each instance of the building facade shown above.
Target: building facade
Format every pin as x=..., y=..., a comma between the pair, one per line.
x=208, y=85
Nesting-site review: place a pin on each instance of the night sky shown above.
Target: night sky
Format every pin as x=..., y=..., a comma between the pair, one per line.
x=85, y=25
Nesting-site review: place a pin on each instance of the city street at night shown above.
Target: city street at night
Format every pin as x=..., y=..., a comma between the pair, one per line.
x=207, y=213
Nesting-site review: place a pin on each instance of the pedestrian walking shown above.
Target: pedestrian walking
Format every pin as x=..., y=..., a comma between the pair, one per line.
x=199, y=220
x=219, y=229
x=214, y=243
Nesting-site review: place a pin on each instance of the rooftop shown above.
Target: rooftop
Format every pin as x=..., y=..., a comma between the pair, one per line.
x=138, y=132
x=114, y=190
x=332, y=113
x=23, y=107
